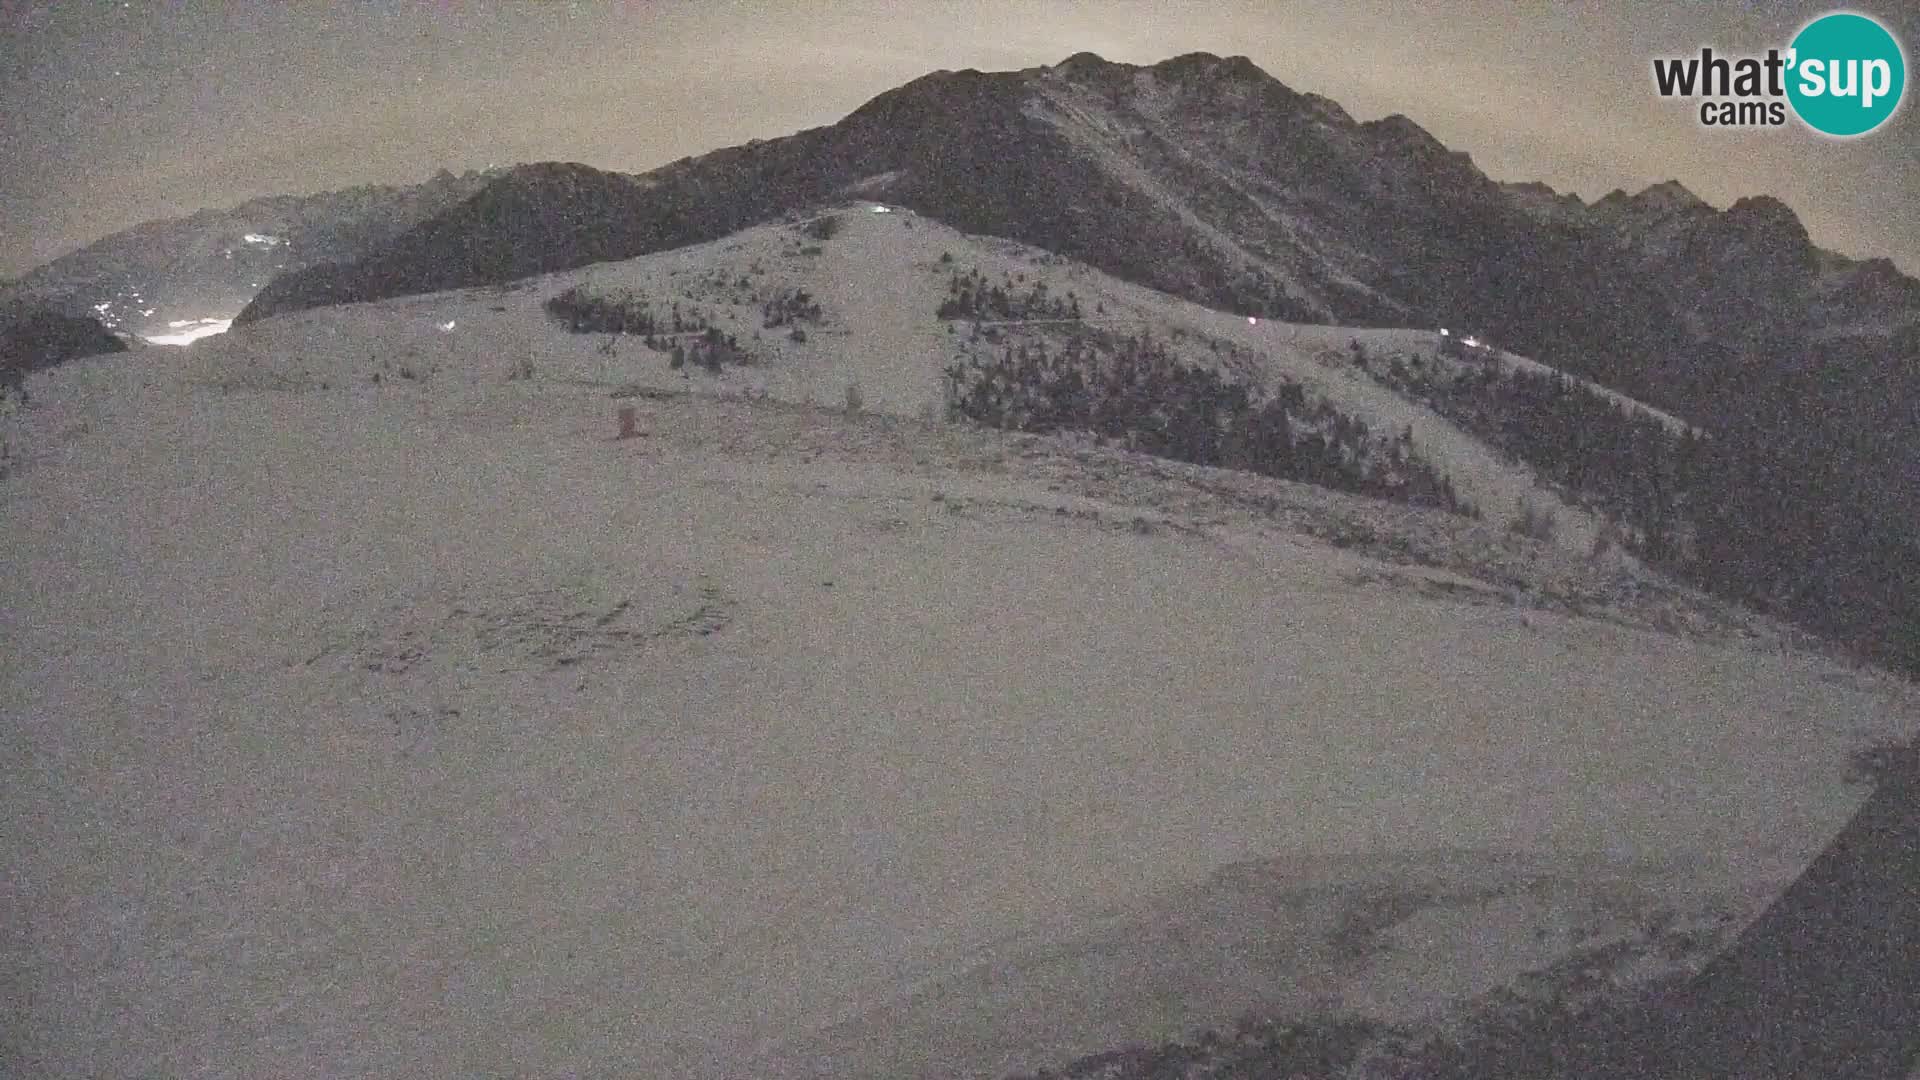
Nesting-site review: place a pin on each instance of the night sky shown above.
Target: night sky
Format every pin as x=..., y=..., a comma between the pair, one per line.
x=116, y=113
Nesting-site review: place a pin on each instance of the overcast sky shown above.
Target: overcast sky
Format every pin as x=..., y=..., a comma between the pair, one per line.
x=116, y=113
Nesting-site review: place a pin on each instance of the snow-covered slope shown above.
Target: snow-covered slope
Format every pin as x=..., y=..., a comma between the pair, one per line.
x=878, y=281
x=421, y=726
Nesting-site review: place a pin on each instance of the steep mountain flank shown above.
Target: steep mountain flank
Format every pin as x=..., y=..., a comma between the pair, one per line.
x=208, y=265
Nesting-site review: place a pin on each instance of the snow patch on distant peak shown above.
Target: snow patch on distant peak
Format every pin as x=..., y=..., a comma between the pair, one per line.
x=867, y=185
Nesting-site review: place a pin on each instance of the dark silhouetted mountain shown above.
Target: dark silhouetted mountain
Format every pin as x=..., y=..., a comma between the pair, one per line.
x=208, y=265
x=1207, y=178
x=32, y=338
x=1198, y=176
x=1861, y=296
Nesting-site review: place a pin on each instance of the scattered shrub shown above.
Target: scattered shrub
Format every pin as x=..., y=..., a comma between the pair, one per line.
x=1534, y=522
x=823, y=228
x=970, y=296
x=790, y=306
x=1606, y=539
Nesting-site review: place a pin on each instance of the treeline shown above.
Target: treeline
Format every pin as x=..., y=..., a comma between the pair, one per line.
x=1622, y=462
x=1134, y=389
x=1796, y=520
x=970, y=296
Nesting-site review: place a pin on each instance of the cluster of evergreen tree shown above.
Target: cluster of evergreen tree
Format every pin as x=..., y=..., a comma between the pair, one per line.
x=1134, y=389
x=969, y=296
x=1795, y=519
x=823, y=228
x=619, y=313
x=624, y=312
x=1622, y=462
x=686, y=336
x=790, y=306
x=711, y=350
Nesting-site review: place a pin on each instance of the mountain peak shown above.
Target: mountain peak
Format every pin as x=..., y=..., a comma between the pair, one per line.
x=1763, y=218
x=1765, y=208
x=1668, y=195
x=1655, y=200
x=1401, y=130
x=1084, y=61
x=1206, y=63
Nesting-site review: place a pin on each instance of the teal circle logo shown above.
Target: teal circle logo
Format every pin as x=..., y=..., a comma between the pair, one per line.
x=1846, y=74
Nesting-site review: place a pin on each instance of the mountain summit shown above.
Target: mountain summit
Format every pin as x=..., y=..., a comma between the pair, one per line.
x=1201, y=175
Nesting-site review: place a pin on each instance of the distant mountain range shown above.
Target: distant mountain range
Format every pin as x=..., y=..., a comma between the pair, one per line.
x=208, y=266
x=1208, y=179
x=1200, y=176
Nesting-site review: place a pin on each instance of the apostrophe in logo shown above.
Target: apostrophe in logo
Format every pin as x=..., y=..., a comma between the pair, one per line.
x=1844, y=75
x=1848, y=74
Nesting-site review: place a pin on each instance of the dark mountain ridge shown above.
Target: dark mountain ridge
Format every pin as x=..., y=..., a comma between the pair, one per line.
x=32, y=338
x=1207, y=178
x=211, y=263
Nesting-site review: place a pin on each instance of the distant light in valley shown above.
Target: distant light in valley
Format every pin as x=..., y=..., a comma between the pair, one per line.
x=196, y=329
